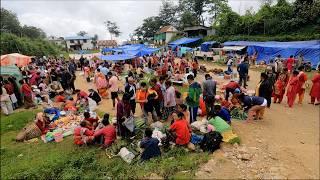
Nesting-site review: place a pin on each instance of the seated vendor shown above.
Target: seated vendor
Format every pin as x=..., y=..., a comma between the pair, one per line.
x=108, y=132
x=54, y=88
x=93, y=121
x=60, y=97
x=80, y=94
x=42, y=122
x=70, y=105
x=150, y=146
x=219, y=124
x=180, y=130
x=82, y=135
x=223, y=113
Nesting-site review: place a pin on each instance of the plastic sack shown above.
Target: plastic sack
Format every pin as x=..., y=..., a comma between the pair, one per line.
x=126, y=155
x=92, y=104
x=158, y=135
x=196, y=139
x=157, y=124
x=129, y=123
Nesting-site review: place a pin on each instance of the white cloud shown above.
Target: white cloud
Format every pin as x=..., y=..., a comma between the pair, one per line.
x=66, y=18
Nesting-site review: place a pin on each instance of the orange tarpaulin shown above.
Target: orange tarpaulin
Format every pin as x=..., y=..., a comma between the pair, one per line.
x=15, y=58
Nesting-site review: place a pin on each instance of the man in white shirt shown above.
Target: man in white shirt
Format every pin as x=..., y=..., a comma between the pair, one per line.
x=188, y=72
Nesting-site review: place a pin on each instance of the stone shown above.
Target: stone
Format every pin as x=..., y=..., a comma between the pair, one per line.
x=20, y=155
x=246, y=157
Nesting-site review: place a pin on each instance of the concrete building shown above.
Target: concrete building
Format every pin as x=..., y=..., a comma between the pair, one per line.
x=57, y=40
x=198, y=31
x=165, y=34
x=79, y=42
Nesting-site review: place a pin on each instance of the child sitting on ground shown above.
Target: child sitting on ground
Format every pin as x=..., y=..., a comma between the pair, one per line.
x=150, y=146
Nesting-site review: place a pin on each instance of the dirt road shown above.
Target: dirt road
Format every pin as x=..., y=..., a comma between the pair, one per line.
x=283, y=145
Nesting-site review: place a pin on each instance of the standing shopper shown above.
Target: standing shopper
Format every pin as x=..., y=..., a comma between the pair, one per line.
x=243, y=70
x=209, y=92
x=192, y=99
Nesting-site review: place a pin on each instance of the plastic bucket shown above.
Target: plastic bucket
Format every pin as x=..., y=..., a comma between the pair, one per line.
x=58, y=137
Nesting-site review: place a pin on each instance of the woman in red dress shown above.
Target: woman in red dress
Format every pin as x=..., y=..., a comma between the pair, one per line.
x=290, y=63
x=292, y=88
x=27, y=94
x=315, y=89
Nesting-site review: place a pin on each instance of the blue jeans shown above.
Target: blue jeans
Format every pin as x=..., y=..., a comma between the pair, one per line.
x=193, y=114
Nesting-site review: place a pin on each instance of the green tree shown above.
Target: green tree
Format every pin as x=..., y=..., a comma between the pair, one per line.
x=168, y=13
x=32, y=32
x=149, y=27
x=112, y=28
x=228, y=22
x=82, y=33
x=194, y=8
x=9, y=22
x=216, y=7
x=95, y=40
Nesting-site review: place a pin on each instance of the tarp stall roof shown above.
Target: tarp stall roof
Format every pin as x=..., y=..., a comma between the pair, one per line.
x=142, y=51
x=15, y=58
x=269, y=50
x=11, y=70
x=137, y=50
x=106, y=49
x=205, y=47
x=184, y=41
x=118, y=57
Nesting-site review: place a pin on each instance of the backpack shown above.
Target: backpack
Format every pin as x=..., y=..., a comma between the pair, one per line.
x=211, y=141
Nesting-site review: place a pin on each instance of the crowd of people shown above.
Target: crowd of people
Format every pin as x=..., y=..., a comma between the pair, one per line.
x=150, y=83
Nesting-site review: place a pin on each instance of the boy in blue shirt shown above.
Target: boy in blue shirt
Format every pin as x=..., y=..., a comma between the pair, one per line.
x=223, y=113
x=150, y=146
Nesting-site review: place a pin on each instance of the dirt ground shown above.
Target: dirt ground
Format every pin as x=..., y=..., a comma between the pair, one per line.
x=285, y=144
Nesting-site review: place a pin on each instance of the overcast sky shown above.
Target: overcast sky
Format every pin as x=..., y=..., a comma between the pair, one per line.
x=66, y=18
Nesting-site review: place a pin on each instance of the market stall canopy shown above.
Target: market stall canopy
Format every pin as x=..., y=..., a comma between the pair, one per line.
x=11, y=70
x=183, y=41
x=310, y=50
x=15, y=58
x=205, y=47
x=137, y=50
x=117, y=57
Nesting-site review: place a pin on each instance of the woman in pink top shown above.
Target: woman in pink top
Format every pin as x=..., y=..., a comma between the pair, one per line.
x=113, y=86
x=169, y=100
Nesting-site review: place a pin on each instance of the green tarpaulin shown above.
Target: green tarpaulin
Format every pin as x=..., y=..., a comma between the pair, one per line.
x=12, y=70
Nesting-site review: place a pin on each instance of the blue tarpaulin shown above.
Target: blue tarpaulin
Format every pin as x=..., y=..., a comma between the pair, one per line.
x=310, y=50
x=205, y=47
x=106, y=49
x=118, y=57
x=183, y=41
x=136, y=50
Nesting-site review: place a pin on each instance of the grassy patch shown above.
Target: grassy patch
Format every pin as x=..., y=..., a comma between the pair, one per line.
x=16, y=121
x=64, y=160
